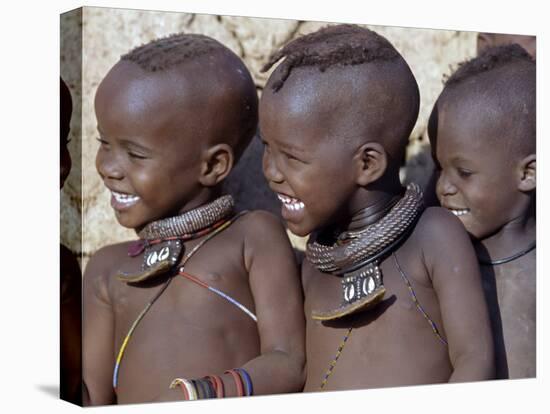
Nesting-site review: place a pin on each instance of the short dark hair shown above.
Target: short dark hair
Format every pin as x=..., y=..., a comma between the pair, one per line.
x=166, y=52
x=491, y=58
x=344, y=44
x=169, y=52
x=505, y=78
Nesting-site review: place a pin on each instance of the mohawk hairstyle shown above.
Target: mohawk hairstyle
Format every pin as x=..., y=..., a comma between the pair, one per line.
x=491, y=58
x=344, y=44
x=163, y=53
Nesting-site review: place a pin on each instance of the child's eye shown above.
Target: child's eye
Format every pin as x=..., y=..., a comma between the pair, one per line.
x=463, y=173
x=136, y=156
x=102, y=142
x=291, y=157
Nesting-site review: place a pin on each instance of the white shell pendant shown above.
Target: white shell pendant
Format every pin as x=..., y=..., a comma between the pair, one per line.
x=164, y=251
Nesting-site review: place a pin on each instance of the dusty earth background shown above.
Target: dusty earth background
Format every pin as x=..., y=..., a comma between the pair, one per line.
x=106, y=34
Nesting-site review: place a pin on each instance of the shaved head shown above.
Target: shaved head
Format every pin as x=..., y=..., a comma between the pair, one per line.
x=197, y=74
x=498, y=91
x=354, y=81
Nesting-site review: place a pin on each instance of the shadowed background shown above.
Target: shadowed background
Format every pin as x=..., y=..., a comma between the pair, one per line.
x=109, y=33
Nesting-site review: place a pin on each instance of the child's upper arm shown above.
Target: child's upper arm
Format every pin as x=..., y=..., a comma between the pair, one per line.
x=98, y=331
x=452, y=264
x=275, y=284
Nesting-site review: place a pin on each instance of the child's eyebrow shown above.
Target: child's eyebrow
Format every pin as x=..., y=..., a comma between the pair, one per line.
x=128, y=143
x=460, y=158
x=293, y=148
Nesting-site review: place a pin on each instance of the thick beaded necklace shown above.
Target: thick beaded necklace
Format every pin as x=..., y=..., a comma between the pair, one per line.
x=161, y=242
x=356, y=255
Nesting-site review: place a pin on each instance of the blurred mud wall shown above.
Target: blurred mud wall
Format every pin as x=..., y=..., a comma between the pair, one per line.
x=109, y=33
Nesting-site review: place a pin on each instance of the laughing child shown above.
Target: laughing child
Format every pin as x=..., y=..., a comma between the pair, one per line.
x=483, y=135
x=393, y=293
x=203, y=292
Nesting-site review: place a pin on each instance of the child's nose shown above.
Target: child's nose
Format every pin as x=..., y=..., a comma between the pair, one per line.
x=271, y=172
x=445, y=186
x=107, y=165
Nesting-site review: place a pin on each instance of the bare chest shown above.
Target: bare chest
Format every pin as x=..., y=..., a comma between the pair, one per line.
x=391, y=344
x=191, y=329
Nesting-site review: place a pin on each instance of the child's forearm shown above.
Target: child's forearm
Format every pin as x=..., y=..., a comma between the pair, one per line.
x=272, y=372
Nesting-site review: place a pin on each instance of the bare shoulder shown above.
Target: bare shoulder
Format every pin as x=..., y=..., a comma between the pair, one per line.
x=261, y=218
x=104, y=260
x=266, y=243
x=437, y=221
x=438, y=225
x=261, y=226
x=441, y=236
x=99, y=271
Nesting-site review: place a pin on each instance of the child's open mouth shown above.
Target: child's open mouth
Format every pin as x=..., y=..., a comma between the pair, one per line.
x=459, y=212
x=290, y=203
x=121, y=200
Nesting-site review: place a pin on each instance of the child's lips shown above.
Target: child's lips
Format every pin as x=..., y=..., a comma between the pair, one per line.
x=292, y=207
x=121, y=201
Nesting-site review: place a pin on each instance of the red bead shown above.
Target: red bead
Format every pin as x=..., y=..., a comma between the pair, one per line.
x=136, y=248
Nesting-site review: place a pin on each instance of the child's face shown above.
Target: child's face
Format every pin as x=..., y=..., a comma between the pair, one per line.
x=148, y=157
x=304, y=159
x=477, y=178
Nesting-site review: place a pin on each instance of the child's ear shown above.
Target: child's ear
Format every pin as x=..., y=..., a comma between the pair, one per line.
x=370, y=162
x=528, y=173
x=217, y=164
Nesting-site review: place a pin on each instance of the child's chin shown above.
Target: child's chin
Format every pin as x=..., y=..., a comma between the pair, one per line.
x=128, y=222
x=298, y=230
x=474, y=234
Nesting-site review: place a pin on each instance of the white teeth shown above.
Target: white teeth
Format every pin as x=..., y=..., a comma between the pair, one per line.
x=460, y=212
x=290, y=203
x=125, y=198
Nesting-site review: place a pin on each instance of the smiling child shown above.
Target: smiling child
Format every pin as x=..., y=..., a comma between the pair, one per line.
x=392, y=291
x=483, y=135
x=203, y=292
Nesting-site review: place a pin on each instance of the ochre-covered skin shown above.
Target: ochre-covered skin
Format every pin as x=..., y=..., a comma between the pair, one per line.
x=161, y=142
x=393, y=344
x=510, y=290
x=191, y=332
x=333, y=142
x=483, y=138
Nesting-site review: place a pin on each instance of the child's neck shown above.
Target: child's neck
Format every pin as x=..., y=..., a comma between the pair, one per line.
x=204, y=196
x=515, y=236
x=370, y=205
